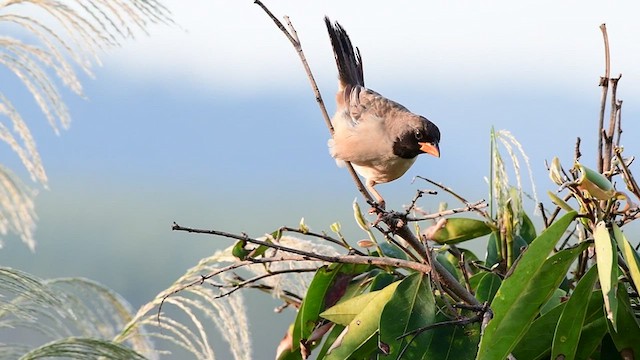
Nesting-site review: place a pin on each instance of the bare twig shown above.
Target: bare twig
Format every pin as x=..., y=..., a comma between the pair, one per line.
x=619, y=115
x=578, y=154
x=323, y=237
x=608, y=135
x=469, y=207
x=309, y=256
x=456, y=195
x=293, y=38
x=244, y=283
x=604, y=83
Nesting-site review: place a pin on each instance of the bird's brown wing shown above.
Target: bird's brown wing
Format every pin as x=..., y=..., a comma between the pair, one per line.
x=367, y=105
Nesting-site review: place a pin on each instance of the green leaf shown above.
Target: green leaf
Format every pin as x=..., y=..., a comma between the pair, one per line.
x=567, y=334
x=239, y=251
x=591, y=338
x=329, y=340
x=527, y=230
x=559, y=202
x=327, y=287
x=630, y=255
x=627, y=335
x=411, y=307
x=553, y=301
x=493, y=256
x=450, y=342
x=520, y=296
x=460, y=229
x=487, y=287
x=358, y=339
x=344, y=312
x=448, y=264
x=393, y=251
x=536, y=343
x=607, y=260
x=381, y=280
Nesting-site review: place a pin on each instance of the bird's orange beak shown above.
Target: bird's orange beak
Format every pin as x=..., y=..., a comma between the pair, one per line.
x=429, y=148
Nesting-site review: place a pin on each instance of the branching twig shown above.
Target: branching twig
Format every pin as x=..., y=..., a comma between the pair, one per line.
x=323, y=237
x=309, y=256
x=604, y=83
x=293, y=38
x=476, y=206
x=457, y=196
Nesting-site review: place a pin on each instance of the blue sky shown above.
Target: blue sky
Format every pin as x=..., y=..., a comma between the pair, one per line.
x=212, y=123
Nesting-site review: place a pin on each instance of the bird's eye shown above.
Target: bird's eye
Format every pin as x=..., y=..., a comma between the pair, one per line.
x=418, y=135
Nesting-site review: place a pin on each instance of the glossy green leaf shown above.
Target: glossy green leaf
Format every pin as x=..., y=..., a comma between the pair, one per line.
x=392, y=251
x=449, y=342
x=559, y=202
x=607, y=259
x=567, y=333
x=520, y=296
x=493, y=256
x=553, y=301
x=344, y=312
x=411, y=307
x=595, y=327
x=536, y=343
x=460, y=229
x=329, y=340
x=487, y=287
x=527, y=230
x=515, y=306
x=327, y=287
x=627, y=335
x=359, y=338
x=448, y=264
x=239, y=251
x=381, y=280
x=630, y=255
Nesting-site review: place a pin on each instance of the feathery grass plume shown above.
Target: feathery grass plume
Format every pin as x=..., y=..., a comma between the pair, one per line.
x=52, y=39
x=17, y=214
x=212, y=302
x=70, y=317
x=188, y=311
x=502, y=192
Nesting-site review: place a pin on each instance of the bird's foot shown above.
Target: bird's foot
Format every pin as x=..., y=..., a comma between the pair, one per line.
x=377, y=207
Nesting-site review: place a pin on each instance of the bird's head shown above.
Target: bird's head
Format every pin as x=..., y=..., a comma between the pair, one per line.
x=420, y=137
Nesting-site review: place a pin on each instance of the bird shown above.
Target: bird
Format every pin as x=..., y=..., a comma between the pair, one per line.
x=378, y=136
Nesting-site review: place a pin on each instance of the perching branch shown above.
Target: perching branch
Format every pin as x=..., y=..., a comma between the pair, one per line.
x=293, y=38
x=301, y=255
x=604, y=83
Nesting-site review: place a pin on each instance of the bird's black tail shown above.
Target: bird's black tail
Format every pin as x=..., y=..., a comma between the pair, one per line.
x=347, y=58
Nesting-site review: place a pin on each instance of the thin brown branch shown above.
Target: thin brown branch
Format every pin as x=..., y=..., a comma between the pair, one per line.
x=475, y=207
x=293, y=38
x=323, y=237
x=244, y=283
x=608, y=136
x=628, y=178
x=452, y=286
x=309, y=256
x=456, y=195
x=604, y=83
x=578, y=154
x=619, y=126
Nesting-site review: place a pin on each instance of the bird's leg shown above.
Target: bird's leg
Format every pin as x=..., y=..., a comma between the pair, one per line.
x=380, y=203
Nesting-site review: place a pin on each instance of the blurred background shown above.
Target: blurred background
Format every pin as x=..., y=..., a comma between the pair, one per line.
x=211, y=123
